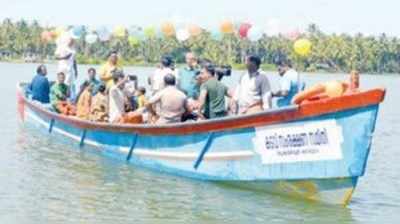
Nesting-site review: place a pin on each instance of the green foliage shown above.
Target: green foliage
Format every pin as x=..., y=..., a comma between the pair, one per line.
x=331, y=53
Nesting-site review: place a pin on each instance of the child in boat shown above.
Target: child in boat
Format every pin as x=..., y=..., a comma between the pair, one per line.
x=99, y=106
x=84, y=101
x=141, y=97
x=59, y=94
x=130, y=90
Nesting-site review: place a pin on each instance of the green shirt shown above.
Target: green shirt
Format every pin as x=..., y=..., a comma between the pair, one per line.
x=215, y=101
x=188, y=83
x=58, y=92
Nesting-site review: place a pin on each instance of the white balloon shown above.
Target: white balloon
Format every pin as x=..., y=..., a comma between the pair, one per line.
x=91, y=38
x=104, y=34
x=255, y=33
x=182, y=35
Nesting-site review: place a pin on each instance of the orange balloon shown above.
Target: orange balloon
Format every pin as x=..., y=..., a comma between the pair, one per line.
x=168, y=29
x=227, y=27
x=46, y=36
x=194, y=30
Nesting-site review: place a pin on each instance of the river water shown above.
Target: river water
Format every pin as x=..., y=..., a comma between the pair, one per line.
x=45, y=181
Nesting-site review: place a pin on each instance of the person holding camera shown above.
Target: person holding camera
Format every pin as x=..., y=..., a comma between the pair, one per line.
x=253, y=94
x=212, y=93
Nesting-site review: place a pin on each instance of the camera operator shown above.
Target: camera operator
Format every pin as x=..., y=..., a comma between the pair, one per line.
x=253, y=94
x=212, y=92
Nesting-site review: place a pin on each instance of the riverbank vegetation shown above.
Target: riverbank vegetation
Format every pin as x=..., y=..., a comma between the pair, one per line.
x=21, y=40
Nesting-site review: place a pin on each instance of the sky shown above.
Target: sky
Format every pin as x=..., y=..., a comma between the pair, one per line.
x=332, y=16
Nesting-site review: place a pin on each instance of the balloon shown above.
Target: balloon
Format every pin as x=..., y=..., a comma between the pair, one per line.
x=293, y=35
x=76, y=32
x=46, y=36
x=119, y=31
x=133, y=41
x=227, y=27
x=59, y=31
x=255, y=33
x=168, y=29
x=64, y=39
x=194, y=30
x=244, y=30
x=150, y=32
x=91, y=38
x=103, y=33
x=216, y=35
x=302, y=47
x=182, y=35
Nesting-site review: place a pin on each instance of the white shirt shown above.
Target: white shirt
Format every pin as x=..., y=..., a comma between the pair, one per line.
x=253, y=89
x=116, y=103
x=157, y=80
x=290, y=76
x=66, y=65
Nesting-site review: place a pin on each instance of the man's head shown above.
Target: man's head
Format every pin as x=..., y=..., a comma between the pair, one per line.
x=207, y=71
x=167, y=61
x=91, y=73
x=283, y=66
x=118, y=78
x=102, y=88
x=142, y=90
x=191, y=59
x=253, y=63
x=169, y=80
x=41, y=70
x=60, y=78
x=113, y=57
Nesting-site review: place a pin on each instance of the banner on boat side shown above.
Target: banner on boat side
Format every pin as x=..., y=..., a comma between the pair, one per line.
x=299, y=142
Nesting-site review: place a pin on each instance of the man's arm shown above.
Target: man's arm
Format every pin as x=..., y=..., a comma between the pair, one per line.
x=202, y=98
x=266, y=94
x=63, y=57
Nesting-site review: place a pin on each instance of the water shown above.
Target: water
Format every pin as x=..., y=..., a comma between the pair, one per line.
x=45, y=181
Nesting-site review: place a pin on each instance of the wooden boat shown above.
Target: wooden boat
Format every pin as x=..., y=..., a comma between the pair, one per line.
x=315, y=151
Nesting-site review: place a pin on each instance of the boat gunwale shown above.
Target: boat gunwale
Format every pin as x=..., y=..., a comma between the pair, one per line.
x=274, y=116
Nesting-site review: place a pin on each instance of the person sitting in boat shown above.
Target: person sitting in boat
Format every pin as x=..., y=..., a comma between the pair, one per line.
x=93, y=81
x=39, y=88
x=130, y=91
x=172, y=101
x=99, y=106
x=117, y=97
x=84, y=101
x=253, y=94
x=329, y=89
x=106, y=71
x=59, y=94
x=141, y=97
x=188, y=77
x=156, y=81
x=212, y=93
x=290, y=83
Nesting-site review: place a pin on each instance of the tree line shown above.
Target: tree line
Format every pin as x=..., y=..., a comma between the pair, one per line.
x=330, y=52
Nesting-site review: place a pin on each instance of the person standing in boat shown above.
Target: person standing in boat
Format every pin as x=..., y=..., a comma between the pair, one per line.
x=39, y=88
x=290, y=83
x=172, y=101
x=212, y=93
x=65, y=54
x=253, y=94
x=156, y=81
x=117, y=97
x=106, y=71
x=188, y=77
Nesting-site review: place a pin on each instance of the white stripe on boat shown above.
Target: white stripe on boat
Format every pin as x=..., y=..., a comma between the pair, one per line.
x=189, y=156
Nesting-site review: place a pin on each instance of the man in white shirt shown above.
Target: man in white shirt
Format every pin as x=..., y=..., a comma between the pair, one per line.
x=253, y=94
x=117, y=98
x=65, y=54
x=156, y=81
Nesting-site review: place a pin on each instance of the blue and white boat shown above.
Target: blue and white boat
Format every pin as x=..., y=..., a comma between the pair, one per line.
x=315, y=151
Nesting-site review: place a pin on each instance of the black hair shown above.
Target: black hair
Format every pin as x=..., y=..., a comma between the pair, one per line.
x=167, y=61
x=92, y=70
x=117, y=74
x=132, y=77
x=39, y=69
x=284, y=62
x=142, y=90
x=102, y=88
x=169, y=80
x=111, y=53
x=255, y=60
x=61, y=73
x=209, y=67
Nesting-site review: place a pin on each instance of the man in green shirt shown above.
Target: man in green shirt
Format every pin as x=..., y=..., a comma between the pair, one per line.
x=188, y=77
x=212, y=93
x=59, y=91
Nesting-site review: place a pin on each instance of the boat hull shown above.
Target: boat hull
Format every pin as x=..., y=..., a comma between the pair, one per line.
x=318, y=158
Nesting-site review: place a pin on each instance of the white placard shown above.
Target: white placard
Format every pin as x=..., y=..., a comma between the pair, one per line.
x=299, y=142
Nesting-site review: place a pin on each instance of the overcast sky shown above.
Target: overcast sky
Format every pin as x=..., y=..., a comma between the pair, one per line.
x=349, y=16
